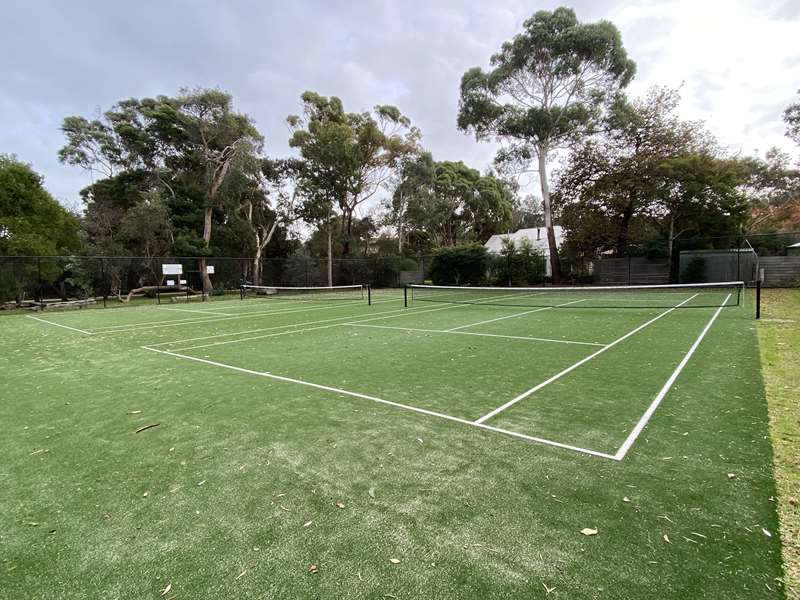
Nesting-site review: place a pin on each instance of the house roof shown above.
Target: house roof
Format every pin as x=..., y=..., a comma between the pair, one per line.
x=537, y=236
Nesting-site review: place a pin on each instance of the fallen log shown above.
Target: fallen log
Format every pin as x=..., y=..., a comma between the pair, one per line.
x=155, y=288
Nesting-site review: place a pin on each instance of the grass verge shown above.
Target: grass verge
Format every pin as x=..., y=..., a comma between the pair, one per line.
x=779, y=339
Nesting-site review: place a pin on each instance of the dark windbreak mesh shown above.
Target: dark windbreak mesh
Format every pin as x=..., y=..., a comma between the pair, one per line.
x=613, y=297
x=345, y=292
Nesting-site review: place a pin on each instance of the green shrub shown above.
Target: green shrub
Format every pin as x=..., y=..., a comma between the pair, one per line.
x=695, y=271
x=517, y=266
x=460, y=265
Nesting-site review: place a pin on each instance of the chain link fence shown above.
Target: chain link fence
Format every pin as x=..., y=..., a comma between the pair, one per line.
x=65, y=281
x=79, y=281
x=774, y=257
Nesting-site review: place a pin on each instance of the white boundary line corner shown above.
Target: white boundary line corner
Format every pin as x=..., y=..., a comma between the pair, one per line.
x=629, y=441
x=407, y=407
x=520, y=314
x=60, y=325
x=574, y=366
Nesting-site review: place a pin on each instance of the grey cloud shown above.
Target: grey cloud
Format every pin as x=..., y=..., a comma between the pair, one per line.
x=61, y=58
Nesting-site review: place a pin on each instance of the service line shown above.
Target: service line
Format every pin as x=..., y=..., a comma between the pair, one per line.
x=574, y=366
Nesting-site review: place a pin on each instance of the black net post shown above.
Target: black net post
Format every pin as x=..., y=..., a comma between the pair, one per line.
x=405, y=296
x=369, y=294
x=758, y=298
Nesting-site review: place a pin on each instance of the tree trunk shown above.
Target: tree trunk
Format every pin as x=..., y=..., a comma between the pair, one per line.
x=330, y=252
x=206, y=243
x=347, y=229
x=400, y=227
x=625, y=225
x=555, y=262
x=670, y=242
x=257, y=263
x=262, y=240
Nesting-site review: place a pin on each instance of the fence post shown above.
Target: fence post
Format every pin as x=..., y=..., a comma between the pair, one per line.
x=103, y=281
x=405, y=295
x=628, y=253
x=738, y=259
x=39, y=278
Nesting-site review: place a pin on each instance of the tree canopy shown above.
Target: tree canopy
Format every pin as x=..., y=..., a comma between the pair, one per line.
x=348, y=157
x=189, y=162
x=546, y=87
x=32, y=221
x=649, y=175
x=450, y=201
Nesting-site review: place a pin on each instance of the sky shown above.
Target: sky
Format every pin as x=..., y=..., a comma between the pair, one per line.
x=737, y=63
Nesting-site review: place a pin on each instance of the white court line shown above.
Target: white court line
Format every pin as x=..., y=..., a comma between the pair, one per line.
x=527, y=312
x=259, y=303
x=250, y=331
x=493, y=335
x=571, y=368
x=257, y=337
x=389, y=314
x=629, y=441
x=59, y=325
x=192, y=321
x=191, y=310
x=404, y=311
x=415, y=409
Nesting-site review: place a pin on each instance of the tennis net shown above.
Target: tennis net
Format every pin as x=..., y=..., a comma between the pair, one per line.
x=696, y=295
x=337, y=292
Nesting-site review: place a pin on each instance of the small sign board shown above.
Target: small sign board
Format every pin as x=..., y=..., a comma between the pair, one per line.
x=183, y=282
x=170, y=269
x=170, y=282
x=210, y=269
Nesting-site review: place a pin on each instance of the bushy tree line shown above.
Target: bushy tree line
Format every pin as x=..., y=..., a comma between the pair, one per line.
x=188, y=174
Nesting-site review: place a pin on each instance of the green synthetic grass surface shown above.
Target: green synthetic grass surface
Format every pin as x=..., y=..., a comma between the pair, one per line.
x=779, y=338
x=234, y=494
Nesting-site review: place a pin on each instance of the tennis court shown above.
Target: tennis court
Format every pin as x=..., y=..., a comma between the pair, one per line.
x=519, y=352
x=649, y=392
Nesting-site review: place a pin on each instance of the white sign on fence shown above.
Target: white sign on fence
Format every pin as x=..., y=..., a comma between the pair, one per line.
x=210, y=269
x=168, y=269
x=183, y=282
x=170, y=282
